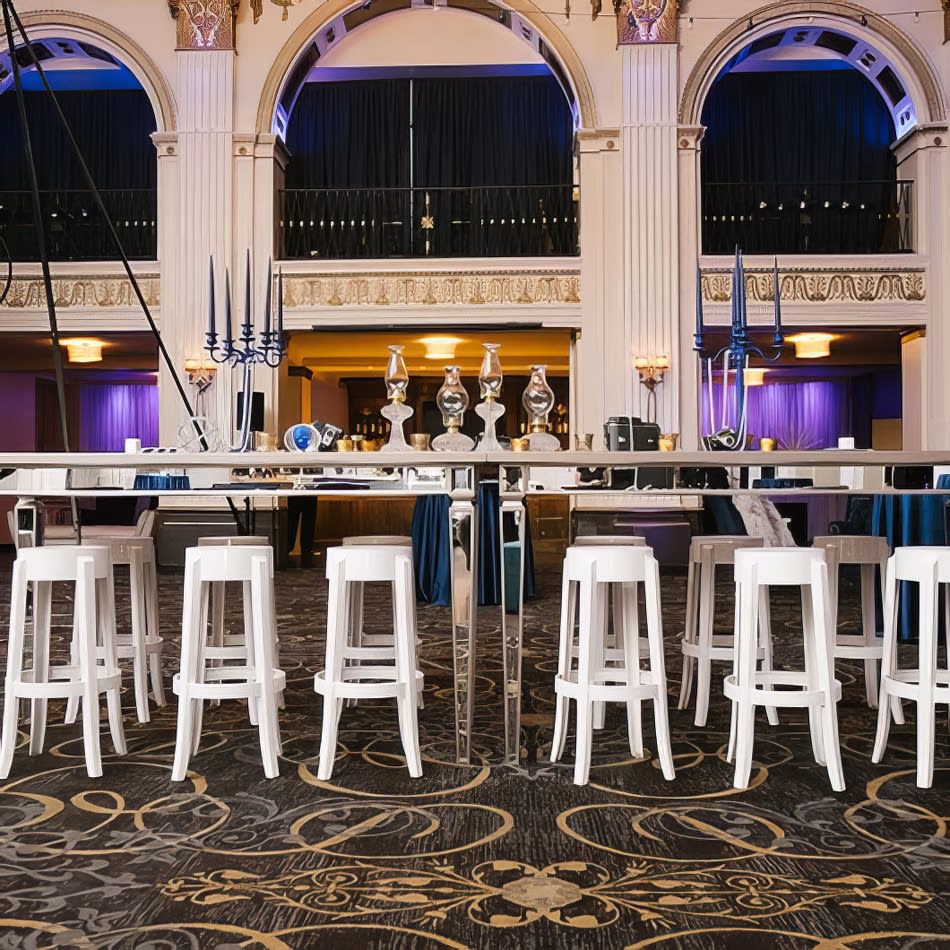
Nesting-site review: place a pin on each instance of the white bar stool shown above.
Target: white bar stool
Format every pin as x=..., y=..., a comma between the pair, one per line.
x=928, y=685
x=817, y=689
x=701, y=646
x=356, y=671
x=89, y=568
x=868, y=553
x=143, y=645
x=257, y=680
x=587, y=572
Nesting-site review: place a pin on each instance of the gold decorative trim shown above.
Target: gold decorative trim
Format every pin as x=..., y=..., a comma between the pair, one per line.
x=456, y=289
x=27, y=293
x=204, y=24
x=818, y=286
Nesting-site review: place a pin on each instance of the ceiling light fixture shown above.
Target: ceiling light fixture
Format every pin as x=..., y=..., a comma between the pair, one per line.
x=811, y=346
x=440, y=347
x=83, y=350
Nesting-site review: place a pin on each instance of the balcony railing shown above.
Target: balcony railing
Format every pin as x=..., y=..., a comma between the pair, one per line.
x=522, y=221
x=841, y=217
x=75, y=230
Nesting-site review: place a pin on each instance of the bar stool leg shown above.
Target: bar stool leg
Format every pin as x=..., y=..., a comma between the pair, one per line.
x=193, y=629
x=867, y=629
x=689, y=636
x=825, y=652
x=105, y=618
x=42, y=612
x=591, y=621
x=262, y=645
x=888, y=662
x=765, y=643
x=661, y=723
x=337, y=627
x=86, y=614
x=812, y=670
x=926, y=708
x=707, y=593
x=745, y=663
x=599, y=647
x=403, y=636
x=11, y=704
x=631, y=659
x=139, y=657
x=154, y=629
x=566, y=639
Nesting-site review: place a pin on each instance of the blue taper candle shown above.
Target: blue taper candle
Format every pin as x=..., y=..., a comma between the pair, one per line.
x=228, y=335
x=247, y=296
x=210, y=295
x=267, y=295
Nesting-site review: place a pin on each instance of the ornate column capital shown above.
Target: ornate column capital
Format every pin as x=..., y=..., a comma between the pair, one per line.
x=646, y=21
x=688, y=137
x=204, y=24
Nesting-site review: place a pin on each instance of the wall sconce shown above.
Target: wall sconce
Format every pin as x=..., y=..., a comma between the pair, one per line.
x=811, y=346
x=651, y=370
x=83, y=350
x=200, y=372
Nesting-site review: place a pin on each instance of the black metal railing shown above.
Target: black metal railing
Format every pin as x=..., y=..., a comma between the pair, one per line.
x=522, y=221
x=841, y=217
x=75, y=229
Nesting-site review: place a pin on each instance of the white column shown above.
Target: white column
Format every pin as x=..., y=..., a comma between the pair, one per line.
x=690, y=214
x=650, y=270
x=601, y=388
x=925, y=158
x=196, y=226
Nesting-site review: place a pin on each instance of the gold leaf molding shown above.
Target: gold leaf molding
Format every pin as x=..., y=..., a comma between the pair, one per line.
x=432, y=289
x=27, y=293
x=809, y=286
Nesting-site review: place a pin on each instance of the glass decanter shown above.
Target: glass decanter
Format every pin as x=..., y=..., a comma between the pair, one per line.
x=452, y=400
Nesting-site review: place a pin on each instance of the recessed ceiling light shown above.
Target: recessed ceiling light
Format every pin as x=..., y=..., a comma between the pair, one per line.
x=440, y=347
x=811, y=346
x=83, y=350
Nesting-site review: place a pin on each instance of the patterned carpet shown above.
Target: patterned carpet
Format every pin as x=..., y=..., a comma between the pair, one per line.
x=478, y=856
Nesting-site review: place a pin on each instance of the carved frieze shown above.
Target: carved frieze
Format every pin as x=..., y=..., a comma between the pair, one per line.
x=646, y=21
x=204, y=24
x=27, y=293
x=821, y=286
x=432, y=289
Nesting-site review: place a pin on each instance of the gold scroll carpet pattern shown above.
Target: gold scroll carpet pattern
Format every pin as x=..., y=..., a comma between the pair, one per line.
x=469, y=856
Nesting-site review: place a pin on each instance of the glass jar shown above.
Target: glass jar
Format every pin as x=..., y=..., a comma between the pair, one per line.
x=490, y=376
x=397, y=376
x=538, y=399
x=452, y=399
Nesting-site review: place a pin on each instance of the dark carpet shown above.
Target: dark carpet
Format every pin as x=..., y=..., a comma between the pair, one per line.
x=477, y=856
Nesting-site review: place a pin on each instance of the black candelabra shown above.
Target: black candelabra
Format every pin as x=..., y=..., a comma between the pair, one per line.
x=248, y=349
x=733, y=419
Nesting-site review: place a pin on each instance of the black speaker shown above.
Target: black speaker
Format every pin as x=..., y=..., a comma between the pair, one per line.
x=257, y=412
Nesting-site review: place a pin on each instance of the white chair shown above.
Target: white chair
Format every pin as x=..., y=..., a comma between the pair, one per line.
x=701, y=646
x=868, y=553
x=588, y=569
x=363, y=671
x=815, y=687
x=142, y=645
x=90, y=570
x=927, y=685
x=257, y=679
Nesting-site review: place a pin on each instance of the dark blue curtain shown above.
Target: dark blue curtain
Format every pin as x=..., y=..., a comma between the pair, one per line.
x=789, y=138
x=112, y=128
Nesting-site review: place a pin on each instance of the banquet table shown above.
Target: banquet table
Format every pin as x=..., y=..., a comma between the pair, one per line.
x=455, y=475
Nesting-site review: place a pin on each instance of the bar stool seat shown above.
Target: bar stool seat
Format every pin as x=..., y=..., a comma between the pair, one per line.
x=815, y=687
x=867, y=552
x=588, y=569
x=257, y=680
x=360, y=671
x=89, y=568
x=928, y=685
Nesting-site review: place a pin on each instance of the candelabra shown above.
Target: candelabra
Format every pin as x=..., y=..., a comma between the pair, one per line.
x=733, y=418
x=248, y=350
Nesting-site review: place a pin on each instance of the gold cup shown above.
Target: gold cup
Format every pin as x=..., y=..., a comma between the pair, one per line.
x=520, y=445
x=766, y=445
x=420, y=441
x=667, y=441
x=344, y=445
x=368, y=445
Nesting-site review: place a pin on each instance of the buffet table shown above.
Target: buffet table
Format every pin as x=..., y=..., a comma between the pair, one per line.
x=416, y=473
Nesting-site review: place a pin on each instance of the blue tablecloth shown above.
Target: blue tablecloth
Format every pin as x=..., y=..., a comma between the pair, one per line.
x=432, y=552
x=910, y=520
